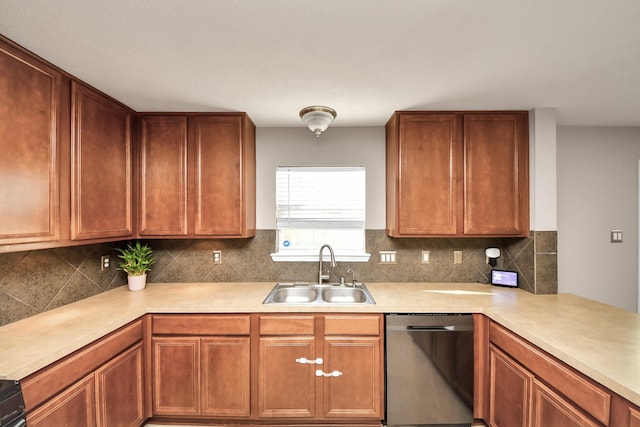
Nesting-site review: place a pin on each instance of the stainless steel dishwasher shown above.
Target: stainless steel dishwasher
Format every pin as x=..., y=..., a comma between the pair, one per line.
x=429, y=370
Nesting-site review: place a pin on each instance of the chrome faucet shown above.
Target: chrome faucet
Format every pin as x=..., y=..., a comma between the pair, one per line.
x=322, y=277
x=353, y=276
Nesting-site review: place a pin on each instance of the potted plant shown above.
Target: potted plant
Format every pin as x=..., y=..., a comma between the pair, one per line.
x=136, y=261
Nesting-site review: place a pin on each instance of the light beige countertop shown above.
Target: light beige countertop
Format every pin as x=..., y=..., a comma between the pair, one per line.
x=601, y=341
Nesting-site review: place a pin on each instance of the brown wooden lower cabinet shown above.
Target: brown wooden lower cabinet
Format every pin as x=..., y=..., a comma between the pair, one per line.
x=634, y=417
x=529, y=388
x=176, y=376
x=286, y=388
x=518, y=399
x=624, y=413
x=119, y=390
x=73, y=407
x=110, y=396
x=225, y=378
x=551, y=409
x=100, y=385
x=294, y=370
x=321, y=367
x=201, y=376
x=207, y=374
x=357, y=392
x=510, y=391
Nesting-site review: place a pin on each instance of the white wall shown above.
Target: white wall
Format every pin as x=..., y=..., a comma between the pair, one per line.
x=336, y=147
x=597, y=192
x=542, y=169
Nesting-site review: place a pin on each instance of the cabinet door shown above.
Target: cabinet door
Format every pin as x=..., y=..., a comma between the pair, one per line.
x=509, y=391
x=101, y=166
x=73, y=407
x=119, y=394
x=225, y=376
x=428, y=150
x=219, y=164
x=162, y=203
x=550, y=409
x=496, y=174
x=29, y=168
x=358, y=391
x=634, y=417
x=176, y=376
x=286, y=388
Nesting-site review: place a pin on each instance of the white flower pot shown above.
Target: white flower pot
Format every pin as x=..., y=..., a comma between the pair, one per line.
x=137, y=283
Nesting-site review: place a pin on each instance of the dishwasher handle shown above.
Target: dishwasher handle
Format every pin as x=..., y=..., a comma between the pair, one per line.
x=431, y=328
x=439, y=328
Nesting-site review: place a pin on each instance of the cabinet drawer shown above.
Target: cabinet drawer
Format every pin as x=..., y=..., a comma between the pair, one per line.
x=166, y=324
x=345, y=324
x=586, y=394
x=287, y=325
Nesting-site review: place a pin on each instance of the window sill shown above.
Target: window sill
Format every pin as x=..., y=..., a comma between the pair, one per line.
x=313, y=257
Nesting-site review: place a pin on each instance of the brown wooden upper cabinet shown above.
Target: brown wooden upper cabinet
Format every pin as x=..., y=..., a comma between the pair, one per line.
x=454, y=174
x=30, y=123
x=196, y=175
x=101, y=178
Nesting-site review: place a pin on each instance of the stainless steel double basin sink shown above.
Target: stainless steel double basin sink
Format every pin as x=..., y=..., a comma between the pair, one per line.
x=314, y=294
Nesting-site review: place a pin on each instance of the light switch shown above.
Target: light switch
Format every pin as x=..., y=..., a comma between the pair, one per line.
x=387, y=257
x=616, y=236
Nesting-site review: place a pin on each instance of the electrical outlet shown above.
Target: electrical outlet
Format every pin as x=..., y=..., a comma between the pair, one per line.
x=105, y=262
x=425, y=257
x=217, y=257
x=457, y=257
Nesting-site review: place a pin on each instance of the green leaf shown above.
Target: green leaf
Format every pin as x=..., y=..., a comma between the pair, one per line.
x=136, y=259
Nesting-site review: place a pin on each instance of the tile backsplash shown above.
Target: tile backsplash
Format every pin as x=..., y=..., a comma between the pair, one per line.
x=35, y=281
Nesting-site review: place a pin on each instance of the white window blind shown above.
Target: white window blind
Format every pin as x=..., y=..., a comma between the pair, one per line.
x=318, y=205
x=320, y=197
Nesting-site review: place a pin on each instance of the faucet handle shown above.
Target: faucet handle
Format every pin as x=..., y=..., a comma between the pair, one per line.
x=353, y=276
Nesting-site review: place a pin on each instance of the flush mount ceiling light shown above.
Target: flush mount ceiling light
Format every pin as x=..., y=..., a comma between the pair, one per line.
x=317, y=118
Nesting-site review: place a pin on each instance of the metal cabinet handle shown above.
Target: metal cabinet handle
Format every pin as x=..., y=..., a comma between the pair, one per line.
x=304, y=360
x=319, y=373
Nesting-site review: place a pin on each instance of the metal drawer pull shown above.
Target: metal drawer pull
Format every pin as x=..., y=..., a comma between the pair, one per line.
x=319, y=373
x=304, y=360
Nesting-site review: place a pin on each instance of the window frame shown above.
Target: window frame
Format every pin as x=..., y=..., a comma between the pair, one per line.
x=312, y=254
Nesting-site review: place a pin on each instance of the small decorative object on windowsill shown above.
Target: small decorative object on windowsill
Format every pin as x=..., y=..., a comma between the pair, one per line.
x=136, y=261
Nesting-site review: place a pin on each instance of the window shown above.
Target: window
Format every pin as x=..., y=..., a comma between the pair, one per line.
x=318, y=205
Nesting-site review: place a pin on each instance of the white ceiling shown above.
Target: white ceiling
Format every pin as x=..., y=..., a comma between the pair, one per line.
x=364, y=58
